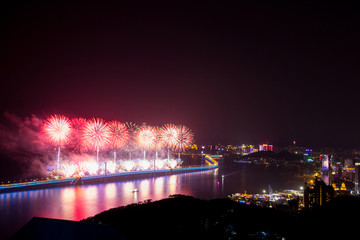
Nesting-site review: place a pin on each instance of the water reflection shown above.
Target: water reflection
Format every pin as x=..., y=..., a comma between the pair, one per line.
x=172, y=183
x=144, y=188
x=110, y=192
x=159, y=187
x=79, y=202
x=68, y=203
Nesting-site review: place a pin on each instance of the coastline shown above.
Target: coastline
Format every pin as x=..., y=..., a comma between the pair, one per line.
x=94, y=179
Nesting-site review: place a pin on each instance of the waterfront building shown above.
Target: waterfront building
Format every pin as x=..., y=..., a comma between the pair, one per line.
x=356, y=182
x=317, y=194
x=247, y=149
x=266, y=147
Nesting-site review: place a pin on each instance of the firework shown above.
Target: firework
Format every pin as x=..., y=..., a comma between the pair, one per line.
x=169, y=134
x=119, y=134
x=131, y=144
x=69, y=169
x=128, y=165
x=80, y=134
x=91, y=167
x=184, y=138
x=76, y=143
x=111, y=167
x=158, y=143
x=144, y=164
x=58, y=129
x=96, y=135
x=146, y=137
x=132, y=127
x=159, y=164
x=172, y=163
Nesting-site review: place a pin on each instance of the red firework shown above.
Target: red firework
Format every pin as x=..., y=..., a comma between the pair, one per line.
x=158, y=143
x=76, y=139
x=96, y=134
x=132, y=127
x=184, y=138
x=169, y=135
x=119, y=134
x=58, y=129
x=146, y=137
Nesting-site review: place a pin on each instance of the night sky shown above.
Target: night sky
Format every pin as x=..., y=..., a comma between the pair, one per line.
x=233, y=73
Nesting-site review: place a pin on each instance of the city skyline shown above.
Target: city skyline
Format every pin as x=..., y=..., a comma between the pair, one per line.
x=233, y=73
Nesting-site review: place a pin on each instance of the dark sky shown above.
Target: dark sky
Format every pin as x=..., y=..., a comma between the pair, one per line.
x=233, y=73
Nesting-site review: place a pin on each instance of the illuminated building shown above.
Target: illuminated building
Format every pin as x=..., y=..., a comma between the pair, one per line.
x=317, y=194
x=266, y=147
x=356, y=182
x=247, y=149
x=325, y=167
x=324, y=162
x=342, y=191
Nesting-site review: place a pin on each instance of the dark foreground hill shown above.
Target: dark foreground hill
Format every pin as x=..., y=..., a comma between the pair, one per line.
x=184, y=217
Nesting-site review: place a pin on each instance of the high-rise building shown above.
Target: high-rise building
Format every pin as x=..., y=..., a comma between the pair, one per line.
x=317, y=194
x=324, y=162
x=325, y=167
x=357, y=175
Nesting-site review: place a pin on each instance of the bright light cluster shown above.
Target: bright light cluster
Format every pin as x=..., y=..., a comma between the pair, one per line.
x=79, y=135
x=91, y=167
x=96, y=134
x=58, y=129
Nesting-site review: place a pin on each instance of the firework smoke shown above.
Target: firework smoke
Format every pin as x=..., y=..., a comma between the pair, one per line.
x=33, y=144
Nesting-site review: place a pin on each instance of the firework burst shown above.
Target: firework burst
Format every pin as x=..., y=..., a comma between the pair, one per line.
x=146, y=137
x=58, y=129
x=169, y=135
x=76, y=143
x=119, y=134
x=183, y=139
x=158, y=143
x=96, y=134
x=132, y=127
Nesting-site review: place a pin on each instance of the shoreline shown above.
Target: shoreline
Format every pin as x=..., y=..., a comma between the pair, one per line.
x=95, y=179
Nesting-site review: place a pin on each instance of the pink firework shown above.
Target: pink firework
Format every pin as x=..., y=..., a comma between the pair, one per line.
x=146, y=137
x=158, y=143
x=76, y=143
x=58, y=129
x=169, y=135
x=184, y=138
x=119, y=134
x=96, y=134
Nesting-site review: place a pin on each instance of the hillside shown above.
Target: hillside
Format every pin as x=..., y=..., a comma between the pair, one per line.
x=185, y=217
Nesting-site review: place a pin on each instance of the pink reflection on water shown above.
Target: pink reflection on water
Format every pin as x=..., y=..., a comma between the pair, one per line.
x=159, y=187
x=111, y=195
x=67, y=200
x=144, y=189
x=79, y=202
x=172, y=182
